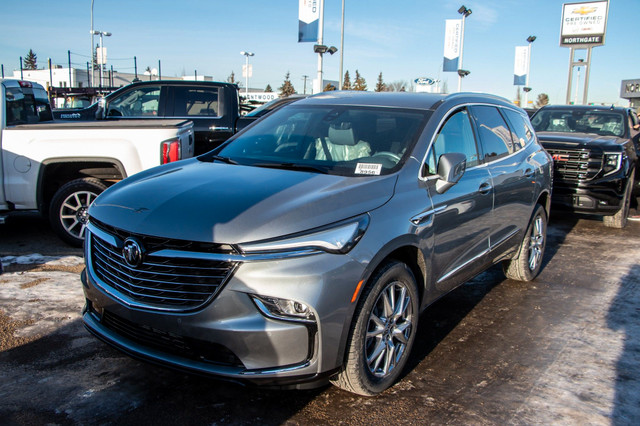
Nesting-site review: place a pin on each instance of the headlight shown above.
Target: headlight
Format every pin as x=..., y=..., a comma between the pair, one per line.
x=336, y=238
x=611, y=163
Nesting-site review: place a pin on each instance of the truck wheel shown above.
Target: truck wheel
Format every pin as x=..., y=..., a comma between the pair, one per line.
x=528, y=261
x=68, y=209
x=382, y=333
x=619, y=220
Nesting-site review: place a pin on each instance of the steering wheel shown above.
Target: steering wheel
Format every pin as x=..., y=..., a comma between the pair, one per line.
x=387, y=154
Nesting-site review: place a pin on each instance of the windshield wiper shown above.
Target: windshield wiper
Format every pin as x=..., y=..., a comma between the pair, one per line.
x=223, y=159
x=294, y=166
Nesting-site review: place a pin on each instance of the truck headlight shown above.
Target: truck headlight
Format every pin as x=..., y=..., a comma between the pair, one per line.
x=611, y=163
x=336, y=238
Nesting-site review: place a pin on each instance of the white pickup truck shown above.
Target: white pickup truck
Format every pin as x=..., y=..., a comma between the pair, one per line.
x=59, y=168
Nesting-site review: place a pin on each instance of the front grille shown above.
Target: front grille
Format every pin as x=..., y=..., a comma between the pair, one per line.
x=171, y=343
x=161, y=283
x=576, y=164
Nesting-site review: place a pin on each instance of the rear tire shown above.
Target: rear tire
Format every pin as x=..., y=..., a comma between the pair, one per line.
x=619, y=220
x=382, y=333
x=526, y=265
x=68, y=210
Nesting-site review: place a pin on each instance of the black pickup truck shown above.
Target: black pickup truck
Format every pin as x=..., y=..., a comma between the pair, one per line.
x=213, y=107
x=595, y=158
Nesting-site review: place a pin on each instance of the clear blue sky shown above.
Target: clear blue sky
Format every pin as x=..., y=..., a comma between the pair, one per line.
x=403, y=39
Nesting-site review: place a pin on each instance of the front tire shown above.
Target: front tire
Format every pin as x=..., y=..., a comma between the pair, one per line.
x=68, y=210
x=383, y=332
x=526, y=265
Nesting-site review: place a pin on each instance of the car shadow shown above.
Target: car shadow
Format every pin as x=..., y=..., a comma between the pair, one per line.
x=70, y=377
x=443, y=316
x=624, y=317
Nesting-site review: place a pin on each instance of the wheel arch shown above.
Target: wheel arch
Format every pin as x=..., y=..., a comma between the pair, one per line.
x=56, y=172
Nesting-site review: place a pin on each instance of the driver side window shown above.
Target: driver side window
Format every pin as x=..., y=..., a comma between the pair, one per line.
x=456, y=135
x=141, y=102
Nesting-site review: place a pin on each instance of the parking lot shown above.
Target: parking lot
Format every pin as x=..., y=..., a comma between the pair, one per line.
x=564, y=349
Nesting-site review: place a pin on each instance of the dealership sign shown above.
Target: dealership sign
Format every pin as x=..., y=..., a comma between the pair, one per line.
x=452, y=33
x=520, y=66
x=308, y=17
x=630, y=89
x=584, y=24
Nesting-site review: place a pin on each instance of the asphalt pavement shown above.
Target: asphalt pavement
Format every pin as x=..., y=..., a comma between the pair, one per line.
x=564, y=349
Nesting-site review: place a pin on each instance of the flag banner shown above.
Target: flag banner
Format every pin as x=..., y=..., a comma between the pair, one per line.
x=452, y=31
x=308, y=17
x=520, y=66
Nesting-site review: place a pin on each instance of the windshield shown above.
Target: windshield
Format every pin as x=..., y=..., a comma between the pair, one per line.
x=344, y=140
x=599, y=122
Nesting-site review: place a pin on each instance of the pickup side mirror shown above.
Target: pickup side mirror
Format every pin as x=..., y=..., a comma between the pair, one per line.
x=451, y=167
x=102, y=109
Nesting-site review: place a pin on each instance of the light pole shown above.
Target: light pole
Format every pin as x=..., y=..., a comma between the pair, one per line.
x=102, y=56
x=340, y=77
x=575, y=102
x=247, y=54
x=91, y=82
x=462, y=72
x=527, y=88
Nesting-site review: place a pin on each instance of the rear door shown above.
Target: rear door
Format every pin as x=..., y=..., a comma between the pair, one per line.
x=512, y=176
x=462, y=214
x=205, y=106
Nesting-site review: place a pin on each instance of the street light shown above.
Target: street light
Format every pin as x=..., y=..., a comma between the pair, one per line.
x=102, y=58
x=527, y=89
x=461, y=72
x=247, y=54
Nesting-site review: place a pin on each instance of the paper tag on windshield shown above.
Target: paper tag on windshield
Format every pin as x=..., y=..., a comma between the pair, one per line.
x=368, y=169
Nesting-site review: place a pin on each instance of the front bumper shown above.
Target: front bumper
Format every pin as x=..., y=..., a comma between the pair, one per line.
x=602, y=198
x=231, y=337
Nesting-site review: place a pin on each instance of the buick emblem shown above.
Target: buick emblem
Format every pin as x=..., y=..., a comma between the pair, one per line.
x=132, y=252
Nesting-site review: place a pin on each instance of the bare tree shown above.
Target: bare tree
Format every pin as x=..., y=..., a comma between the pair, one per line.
x=543, y=99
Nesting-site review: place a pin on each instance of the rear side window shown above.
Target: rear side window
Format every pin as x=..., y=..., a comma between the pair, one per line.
x=495, y=136
x=520, y=127
x=26, y=106
x=203, y=102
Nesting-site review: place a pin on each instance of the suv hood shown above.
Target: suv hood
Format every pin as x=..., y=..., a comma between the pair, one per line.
x=230, y=204
x=579, y=140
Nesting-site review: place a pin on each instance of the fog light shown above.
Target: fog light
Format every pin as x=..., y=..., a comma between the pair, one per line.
x=283, y=309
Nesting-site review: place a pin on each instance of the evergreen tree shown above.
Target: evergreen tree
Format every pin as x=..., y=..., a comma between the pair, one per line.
x=346, y=84
x=360, y=83
x=380, y=86
x=232, y=78
x=31, y=61
x=329, y=87
x=287, y=88
x=268, y=89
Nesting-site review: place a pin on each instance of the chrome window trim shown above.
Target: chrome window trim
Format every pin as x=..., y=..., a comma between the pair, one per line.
x=483, y=164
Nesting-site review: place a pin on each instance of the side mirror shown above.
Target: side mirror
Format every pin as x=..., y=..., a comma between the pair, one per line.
x=451, y=167
x=102, y=109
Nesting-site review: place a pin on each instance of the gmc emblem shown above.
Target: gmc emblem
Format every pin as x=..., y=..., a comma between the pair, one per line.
x=560, y=157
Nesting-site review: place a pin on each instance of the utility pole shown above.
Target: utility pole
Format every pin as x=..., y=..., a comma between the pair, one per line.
x=305, y=77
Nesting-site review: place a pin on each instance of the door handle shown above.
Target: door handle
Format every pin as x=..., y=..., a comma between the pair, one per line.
x=528, y=173
x=485, y=188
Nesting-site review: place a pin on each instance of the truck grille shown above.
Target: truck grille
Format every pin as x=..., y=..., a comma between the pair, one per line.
x=575, y=164
x=160, y=283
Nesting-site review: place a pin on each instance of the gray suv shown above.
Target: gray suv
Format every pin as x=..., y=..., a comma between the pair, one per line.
x=304, y=249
